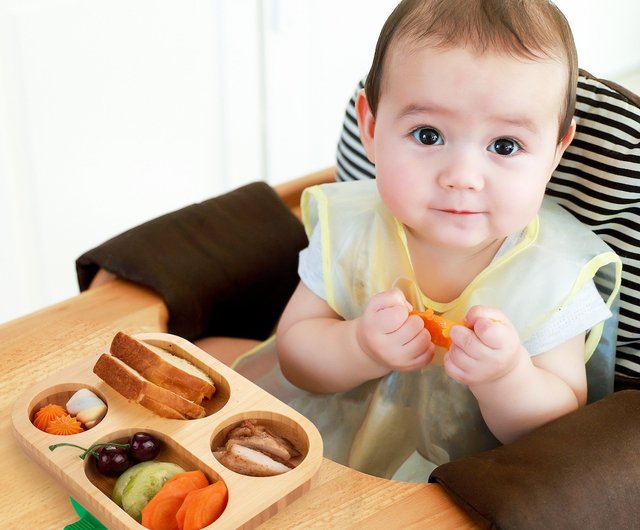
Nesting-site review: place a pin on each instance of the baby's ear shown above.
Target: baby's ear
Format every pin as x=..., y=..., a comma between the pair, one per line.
x=366, y=125
x=565, y=141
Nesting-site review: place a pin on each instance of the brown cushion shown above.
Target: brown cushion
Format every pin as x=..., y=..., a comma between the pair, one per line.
x=580, y=471
x=225, y=267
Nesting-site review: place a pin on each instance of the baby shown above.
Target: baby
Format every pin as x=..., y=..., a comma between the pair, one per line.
x=466, y=112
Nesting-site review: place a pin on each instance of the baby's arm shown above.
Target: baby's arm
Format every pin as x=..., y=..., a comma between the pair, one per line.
x=321, y=352
x=516, y=393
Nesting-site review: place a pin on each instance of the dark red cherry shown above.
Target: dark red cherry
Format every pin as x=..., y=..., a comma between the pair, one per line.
x=143, y=446
x=112, y=460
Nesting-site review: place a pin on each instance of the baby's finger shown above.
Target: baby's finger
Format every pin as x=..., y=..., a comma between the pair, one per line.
x=465, y=339
x=452, y=365
x=412, y=327
x=478, y=312
x=390, y=319
x=418, y=344
x=496, y=334
x=461, y=358
x=418, y=355
x=391, y=298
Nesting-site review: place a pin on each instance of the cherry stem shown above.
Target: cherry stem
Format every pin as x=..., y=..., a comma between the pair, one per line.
x=90, y=449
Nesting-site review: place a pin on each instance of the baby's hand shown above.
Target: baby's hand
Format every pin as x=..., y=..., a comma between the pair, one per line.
x=489, y=349
x=389, y=337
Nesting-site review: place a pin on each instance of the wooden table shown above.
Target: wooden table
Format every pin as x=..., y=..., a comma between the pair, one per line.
x=40, y=344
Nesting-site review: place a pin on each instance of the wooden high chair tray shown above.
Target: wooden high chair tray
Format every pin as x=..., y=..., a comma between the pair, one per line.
x=252, y=500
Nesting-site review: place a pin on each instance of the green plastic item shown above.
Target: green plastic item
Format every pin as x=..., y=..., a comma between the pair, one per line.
x=86, y=522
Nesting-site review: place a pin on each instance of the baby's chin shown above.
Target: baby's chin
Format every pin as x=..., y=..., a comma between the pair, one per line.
x=468, y=245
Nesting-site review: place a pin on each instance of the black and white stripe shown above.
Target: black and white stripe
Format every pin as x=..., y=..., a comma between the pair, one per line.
x=351, y=160
x=598, y=180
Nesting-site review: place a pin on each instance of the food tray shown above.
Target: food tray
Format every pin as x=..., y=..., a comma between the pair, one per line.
x=252, y=500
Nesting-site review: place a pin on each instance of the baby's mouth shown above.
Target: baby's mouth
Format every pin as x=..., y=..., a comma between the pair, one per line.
x=454, y=211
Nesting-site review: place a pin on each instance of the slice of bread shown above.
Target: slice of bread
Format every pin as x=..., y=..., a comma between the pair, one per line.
x=134, y=387
x=163, y=368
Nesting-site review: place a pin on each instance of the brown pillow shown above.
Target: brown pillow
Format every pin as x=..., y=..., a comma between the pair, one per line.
x=580, y=471
x=225, y=266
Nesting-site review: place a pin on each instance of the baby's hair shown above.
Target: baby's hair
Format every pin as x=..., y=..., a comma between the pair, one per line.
x=528, y=29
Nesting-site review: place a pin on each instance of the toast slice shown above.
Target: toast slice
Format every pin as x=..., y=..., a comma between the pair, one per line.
x=163, y=368
x=131, y=385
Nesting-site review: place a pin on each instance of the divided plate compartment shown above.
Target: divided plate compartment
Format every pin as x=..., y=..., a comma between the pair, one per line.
x=189, y=443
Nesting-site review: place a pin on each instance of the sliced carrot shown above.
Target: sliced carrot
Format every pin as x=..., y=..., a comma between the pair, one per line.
x=182, y=511
x=197, y=477
x=64, y=425
x=160, y=512
x=202, y=507
x=437, y=326
x=47, y=413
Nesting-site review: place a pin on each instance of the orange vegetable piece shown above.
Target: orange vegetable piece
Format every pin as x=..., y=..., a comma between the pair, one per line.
x=437, y=327
x=46, y=414
x=64, y=425
x=160, y=512
x=202, y=507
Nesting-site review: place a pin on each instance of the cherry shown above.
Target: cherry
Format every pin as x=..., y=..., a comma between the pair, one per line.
x=111, y=460
x=143, y=446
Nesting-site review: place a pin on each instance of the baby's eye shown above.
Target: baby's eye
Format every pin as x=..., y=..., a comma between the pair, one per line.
x=427, y=136
x=504, y=147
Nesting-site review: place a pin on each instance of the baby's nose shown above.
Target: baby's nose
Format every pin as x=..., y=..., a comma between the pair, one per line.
x=462, y=172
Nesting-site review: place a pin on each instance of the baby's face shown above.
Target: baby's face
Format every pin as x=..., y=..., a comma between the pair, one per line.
x=464, y=144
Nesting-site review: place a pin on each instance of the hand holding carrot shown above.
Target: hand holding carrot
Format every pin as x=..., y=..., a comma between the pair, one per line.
x=437, y=326
x=487, y=350
x=389, y=337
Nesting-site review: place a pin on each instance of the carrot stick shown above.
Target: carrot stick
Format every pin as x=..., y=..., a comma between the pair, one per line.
x=160, y=511
x=201, y=507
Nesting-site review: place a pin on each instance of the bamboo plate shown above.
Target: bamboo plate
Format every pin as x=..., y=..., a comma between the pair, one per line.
x=252, y=500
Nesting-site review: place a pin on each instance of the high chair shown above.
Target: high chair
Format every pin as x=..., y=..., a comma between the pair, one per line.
x=206, y=289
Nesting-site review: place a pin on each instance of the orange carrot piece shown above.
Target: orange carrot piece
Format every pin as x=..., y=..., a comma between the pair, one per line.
x=160, y=512
x=197, y=477
x=182, y=511
x=202, y=507
x=64, y=425
x=437, y=327
x=48, y=413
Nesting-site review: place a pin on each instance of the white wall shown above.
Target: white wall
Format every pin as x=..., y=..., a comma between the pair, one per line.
x=112, y=113
x=315, y=54
x=110, y=110
x=606, y=34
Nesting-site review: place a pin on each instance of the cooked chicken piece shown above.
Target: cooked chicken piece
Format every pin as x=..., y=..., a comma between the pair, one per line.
x=250, y=462
x=251, y=449
x=253, y=433
x=265, y=444
x=241, y=431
